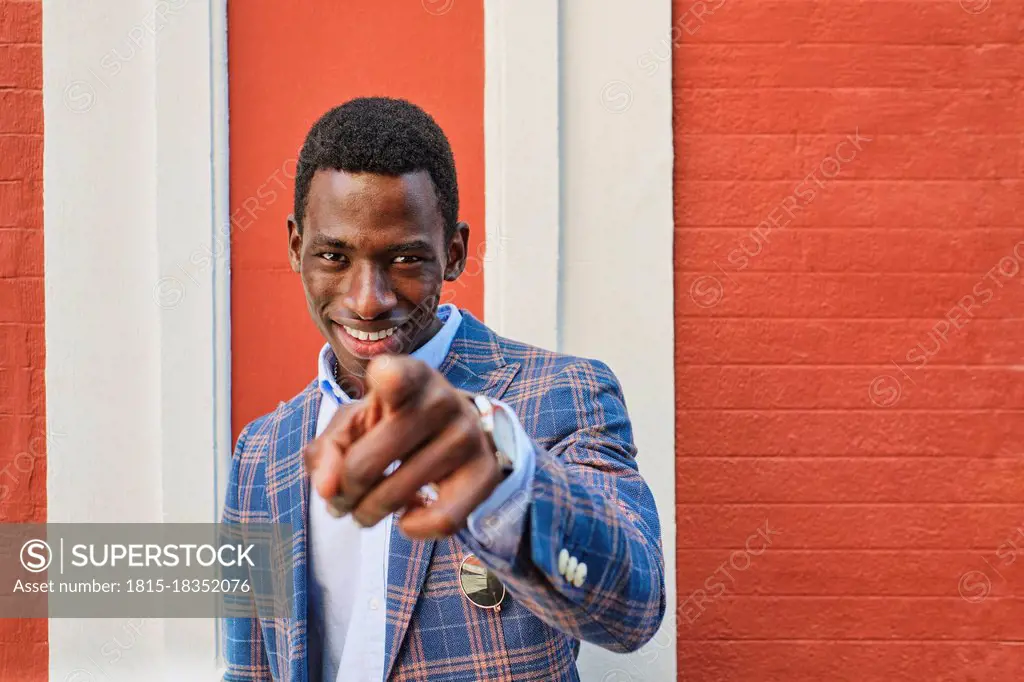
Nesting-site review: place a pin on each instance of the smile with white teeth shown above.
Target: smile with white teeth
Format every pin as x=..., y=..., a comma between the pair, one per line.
x=369, y=336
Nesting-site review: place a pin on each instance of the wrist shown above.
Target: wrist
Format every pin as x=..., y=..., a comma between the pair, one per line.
x=499, y=430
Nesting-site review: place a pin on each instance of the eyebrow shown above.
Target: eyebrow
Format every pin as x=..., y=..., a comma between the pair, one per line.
x=319, y=239
x=409, y=247
x=412, y=246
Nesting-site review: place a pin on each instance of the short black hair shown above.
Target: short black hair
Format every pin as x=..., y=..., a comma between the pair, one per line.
x=379, y=135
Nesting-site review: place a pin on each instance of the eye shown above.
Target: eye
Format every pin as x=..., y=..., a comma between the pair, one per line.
x=332, y=257
x=407, y=260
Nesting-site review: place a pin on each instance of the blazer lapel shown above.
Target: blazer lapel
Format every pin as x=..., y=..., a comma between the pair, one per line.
x=474, y=363
x=287, y=497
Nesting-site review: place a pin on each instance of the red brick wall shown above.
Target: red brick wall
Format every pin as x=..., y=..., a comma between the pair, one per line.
x=23, y=646
x=849, y=330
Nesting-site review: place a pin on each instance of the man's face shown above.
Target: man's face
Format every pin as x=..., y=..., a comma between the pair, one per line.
x=372, y=257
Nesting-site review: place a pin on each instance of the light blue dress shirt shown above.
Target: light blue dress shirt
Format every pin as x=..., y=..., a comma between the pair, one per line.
x=349, y=564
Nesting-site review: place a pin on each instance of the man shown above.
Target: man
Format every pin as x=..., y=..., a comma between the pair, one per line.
x=465, y=507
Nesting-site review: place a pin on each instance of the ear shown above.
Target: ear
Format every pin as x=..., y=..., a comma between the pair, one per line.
x=458, y=247
x=294, y=244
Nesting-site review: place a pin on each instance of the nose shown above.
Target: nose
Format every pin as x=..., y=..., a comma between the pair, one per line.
x=369, y=293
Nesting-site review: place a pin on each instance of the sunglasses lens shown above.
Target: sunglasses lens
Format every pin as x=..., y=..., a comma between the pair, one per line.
x=479, y=585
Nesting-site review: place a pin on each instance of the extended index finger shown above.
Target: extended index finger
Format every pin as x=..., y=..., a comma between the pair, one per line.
x=351, y=421
x=324, y=455
x=396, y=379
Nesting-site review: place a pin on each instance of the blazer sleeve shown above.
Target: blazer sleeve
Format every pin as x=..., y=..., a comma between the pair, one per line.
x=244, y=650
x=587, y=502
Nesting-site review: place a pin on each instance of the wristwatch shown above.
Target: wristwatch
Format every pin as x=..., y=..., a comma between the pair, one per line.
x=498, y=424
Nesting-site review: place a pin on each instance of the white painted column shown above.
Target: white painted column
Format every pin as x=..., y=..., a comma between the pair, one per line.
x=617, y=232
x=521, y=105
x=603, y=265
x=132, y=275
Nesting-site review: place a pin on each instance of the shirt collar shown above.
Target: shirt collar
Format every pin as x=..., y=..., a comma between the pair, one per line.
x=433, y=352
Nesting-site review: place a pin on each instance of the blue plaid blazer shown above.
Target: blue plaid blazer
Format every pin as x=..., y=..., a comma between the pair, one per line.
x=588, y=497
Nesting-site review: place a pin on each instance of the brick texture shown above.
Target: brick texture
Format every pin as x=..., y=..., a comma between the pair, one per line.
x=849, y=190
x=23, y=643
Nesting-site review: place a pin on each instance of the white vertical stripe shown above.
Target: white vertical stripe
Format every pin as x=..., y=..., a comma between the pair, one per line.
x=130, y=290
x=617, y=252
x=609, y=190
x=521, y=121
x=221, y=221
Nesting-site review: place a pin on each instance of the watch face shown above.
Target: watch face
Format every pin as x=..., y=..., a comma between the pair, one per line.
x=504, y=432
